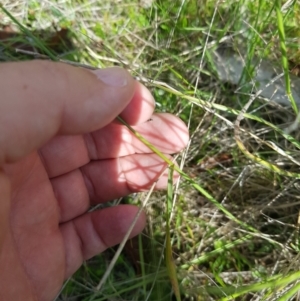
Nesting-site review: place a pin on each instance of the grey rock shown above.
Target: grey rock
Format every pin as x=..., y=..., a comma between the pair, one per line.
x=230, y=65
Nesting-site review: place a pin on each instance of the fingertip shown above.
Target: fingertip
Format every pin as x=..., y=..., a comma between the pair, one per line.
x=112, y=224
x=141, y=106
x=165, y=131
x=162, y=182
x=183, y=132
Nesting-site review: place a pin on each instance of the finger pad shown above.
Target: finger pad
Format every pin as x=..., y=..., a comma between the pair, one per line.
x=112, y=223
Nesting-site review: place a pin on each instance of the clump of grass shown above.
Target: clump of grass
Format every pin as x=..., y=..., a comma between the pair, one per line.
x=234, y=221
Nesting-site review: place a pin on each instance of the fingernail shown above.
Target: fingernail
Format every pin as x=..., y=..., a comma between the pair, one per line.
x=113, y=76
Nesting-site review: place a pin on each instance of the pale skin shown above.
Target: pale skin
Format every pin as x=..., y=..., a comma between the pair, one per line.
x=62, y=151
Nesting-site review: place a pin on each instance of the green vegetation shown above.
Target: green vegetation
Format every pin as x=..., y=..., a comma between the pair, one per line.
x=231, y=225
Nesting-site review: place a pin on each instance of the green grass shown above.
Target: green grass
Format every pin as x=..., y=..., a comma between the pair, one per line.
x=233, y=229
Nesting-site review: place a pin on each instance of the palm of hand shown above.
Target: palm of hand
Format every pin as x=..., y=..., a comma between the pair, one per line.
x=36, y=249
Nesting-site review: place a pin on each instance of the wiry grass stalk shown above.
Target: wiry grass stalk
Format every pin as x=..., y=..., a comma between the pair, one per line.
x=186, y=177
x=272, y=286
x=212, y=106
x=171, y=268
x=284, y=59
x=27, y=32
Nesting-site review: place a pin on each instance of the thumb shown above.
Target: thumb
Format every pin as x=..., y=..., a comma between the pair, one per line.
x=40, y=99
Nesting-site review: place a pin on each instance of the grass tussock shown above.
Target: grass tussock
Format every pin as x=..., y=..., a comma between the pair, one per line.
x=233, y=225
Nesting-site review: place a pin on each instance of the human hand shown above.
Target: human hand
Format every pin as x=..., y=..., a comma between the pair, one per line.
x=60, y=152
